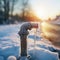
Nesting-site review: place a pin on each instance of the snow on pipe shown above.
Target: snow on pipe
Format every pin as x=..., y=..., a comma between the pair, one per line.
x=23, y=36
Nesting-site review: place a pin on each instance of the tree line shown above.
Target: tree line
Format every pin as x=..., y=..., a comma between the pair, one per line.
x=7, y=9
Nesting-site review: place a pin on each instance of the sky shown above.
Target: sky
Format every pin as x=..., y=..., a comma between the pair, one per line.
x=42, y=8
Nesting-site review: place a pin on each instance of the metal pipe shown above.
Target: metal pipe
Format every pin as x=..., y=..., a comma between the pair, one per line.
x=23, y=36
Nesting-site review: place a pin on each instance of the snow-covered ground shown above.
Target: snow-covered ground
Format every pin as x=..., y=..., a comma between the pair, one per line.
x=10, y=44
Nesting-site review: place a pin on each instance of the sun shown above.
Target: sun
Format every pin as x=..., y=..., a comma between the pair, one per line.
x=41, y=13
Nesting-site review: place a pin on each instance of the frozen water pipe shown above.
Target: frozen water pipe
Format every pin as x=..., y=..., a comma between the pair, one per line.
x=23, y=36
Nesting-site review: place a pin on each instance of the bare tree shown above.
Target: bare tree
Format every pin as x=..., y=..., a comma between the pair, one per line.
x=25, y=9
x=13, y=2
x=0, y=5
x=6, y=9
x=1, y=12
x=7, y=6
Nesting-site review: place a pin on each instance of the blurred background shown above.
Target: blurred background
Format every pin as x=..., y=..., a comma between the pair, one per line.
x=14, y=11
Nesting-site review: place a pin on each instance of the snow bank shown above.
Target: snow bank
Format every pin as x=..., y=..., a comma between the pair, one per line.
x=51, y=31
x=11, y=58
x=55, y=21
x=10, y=45
x=42, y=54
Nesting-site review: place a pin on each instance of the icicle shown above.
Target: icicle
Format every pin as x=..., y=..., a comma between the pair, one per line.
x=35, y=40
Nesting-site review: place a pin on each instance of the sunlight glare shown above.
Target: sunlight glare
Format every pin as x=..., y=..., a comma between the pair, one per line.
x=41, y=13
